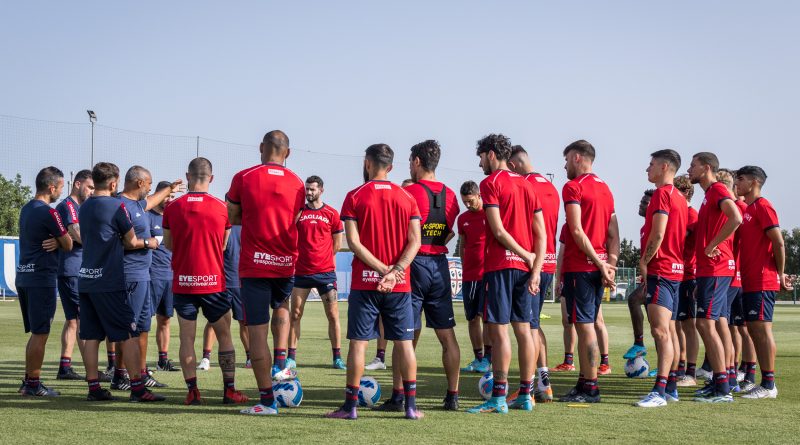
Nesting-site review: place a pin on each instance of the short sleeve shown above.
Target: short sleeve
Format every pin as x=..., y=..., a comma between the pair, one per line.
x=562, y=234
x=71, y=214
x=720, y=194
x=767, y=217
x=571, y=193
x=536, y=203
x=55, y=224
x=660, y=202
x=348, y=208
x=234, y=193
x=415, y=213
x=336, y=223
x=489, y=194
x=122, y=220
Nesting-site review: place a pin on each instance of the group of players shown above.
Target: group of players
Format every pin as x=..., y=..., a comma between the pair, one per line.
x=125, y=257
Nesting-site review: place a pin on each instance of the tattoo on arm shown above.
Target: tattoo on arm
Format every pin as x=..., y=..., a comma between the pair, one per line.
x=650, y=252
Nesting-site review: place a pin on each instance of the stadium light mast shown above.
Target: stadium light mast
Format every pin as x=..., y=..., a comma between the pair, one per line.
x=550, y=176
x=92, y=120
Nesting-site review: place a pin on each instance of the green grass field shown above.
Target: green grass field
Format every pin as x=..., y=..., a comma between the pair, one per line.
x=70, y=418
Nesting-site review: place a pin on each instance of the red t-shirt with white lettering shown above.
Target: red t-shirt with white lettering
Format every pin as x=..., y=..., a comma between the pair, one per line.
x=383, y=212
x=710, y=220
x=547, y=194
x=668, y=261
x=315, y=229
x=197, y=223
x=271, y=196
x=689, y=259
x=517, y=201
x=597, y=206
x=759, y=272
x=472, y=229
x=451, y=209
x=737, y=278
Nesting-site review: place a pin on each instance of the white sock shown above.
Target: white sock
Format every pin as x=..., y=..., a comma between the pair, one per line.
x=543, y=373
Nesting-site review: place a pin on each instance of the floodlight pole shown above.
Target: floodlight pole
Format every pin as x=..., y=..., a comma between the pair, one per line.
x=92, y=120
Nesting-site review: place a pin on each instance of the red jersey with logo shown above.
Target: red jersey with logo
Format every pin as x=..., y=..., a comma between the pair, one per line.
x=472, y=229
x=689, y=259
x=271, y=196
x=197, y=223
x=597, y=206
x=710, y=220
x=315, y=229
x=517, y=201
x=548, y=198
x=419, y=193
x=668, y=261
x=383, y=212
x=759, y=272
x=737, y=278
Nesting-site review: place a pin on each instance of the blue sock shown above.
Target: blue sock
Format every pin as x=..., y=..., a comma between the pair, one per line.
x=410, y=389
x=266, y=395
x=350, y=397
x=280, y=358
x=721, y=384
x=661, y=386
x=768, y=379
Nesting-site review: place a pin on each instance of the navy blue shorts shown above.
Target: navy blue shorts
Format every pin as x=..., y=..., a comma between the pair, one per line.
x=687, y=307
x=583, y=292
x=507, y=297
x=107, y=315
x=473, y=293
x=431, y=292
x=736, y=317
x=38, y=305
x=712, y=296
x=662, y=292
x=68, y=294
x=161, y=298
x=322, y=282
x=365, y=308
x=234, y=295
x=214, y=306
x=261, y=294
x=758, y=306
x=544, y=285
x=139, y=296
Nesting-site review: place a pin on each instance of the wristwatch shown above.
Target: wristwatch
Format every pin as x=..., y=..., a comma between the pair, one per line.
x=146, y=243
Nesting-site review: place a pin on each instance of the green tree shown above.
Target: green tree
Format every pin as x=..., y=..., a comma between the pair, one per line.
x=13, y=195
x=629, y=254
x=792, y=242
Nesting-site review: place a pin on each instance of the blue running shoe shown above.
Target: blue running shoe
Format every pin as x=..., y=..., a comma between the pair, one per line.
x=524, y=403
x=472, y=366
x=736, y=389
x=339, y=364
x=653, y=372
x=291, y=363
x=484, y=366
x=493, y=405
x=634, y=351
x=705, y=391
x=672, y=396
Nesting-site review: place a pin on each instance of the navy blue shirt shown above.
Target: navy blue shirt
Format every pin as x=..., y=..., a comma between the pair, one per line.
x=231, y=257
x=137, y=262
x=104, y=220
x=161, y=267
x=37, y=222
x=69, y=262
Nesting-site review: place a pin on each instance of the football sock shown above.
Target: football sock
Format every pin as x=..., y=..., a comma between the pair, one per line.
x=381, y=355
x=410, y=389
x=638, y=340
x=137, y=386
x=267, y=398
x=337, y=353
x=119, y=373
x=706, y=365
x=292, y=353
x=229, y=383
x=590, y=386
x=544, y=377
x=691, y=368
x=65, y=363
x=721, y=383
x=499, y=389
x=94, y=385
x=525, y=387
x=681, y=368
x=672, y=381
x=750, y=374
x=207, y=353
x=569, y=358
x=162, y=356
x=604, y=359
x=398, y=395
x=280, y=357
x=768, y=379
x=661, y=385
x=350, y=397
x=112, y=357
x=478, y=354
x=732, y=377
x=191, y=383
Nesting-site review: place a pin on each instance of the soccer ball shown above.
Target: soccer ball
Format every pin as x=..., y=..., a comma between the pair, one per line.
x=288, y=394
x=637, y=367
x=485, y=385
x=369, y=392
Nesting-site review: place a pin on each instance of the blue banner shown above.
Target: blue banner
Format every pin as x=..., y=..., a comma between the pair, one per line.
x=10, y=258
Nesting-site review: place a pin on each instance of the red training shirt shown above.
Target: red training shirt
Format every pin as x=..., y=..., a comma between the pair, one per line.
x=472, y=228
x=689, y=259
x=197, y=223
x=547, y=194
x=517, y=201
x=710, y=220
x=271, y=196
x=737, y=278
x=759, y=272
x=668, y=261
x=417, y=191
x=383, y=212
x=315, y=230
x=597, y=206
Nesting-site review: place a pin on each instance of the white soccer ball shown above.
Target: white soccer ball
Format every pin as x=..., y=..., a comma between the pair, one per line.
x=369, y=392
x=637, y=368
x=288, y=394
x=485, y=385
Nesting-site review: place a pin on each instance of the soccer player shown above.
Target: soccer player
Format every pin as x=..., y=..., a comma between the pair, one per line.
x=382, y=225
x=661, y=265
x=472, y=242
x=546, y=192
x=687, y=307
x=266, y=200
x=107, y=309
x=196, y=229
x=717, y=220
x=763, y=257
x=69, y=262
x=637, y=298
x=319, y=238
x=590, y=258
x=569, y=336
x=37, y=273
x=161, y=282
x=516, y=243
x=232, y=253
x=137, y=262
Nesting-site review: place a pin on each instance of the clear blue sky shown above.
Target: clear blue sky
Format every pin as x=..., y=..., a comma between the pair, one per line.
x=630, y=77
